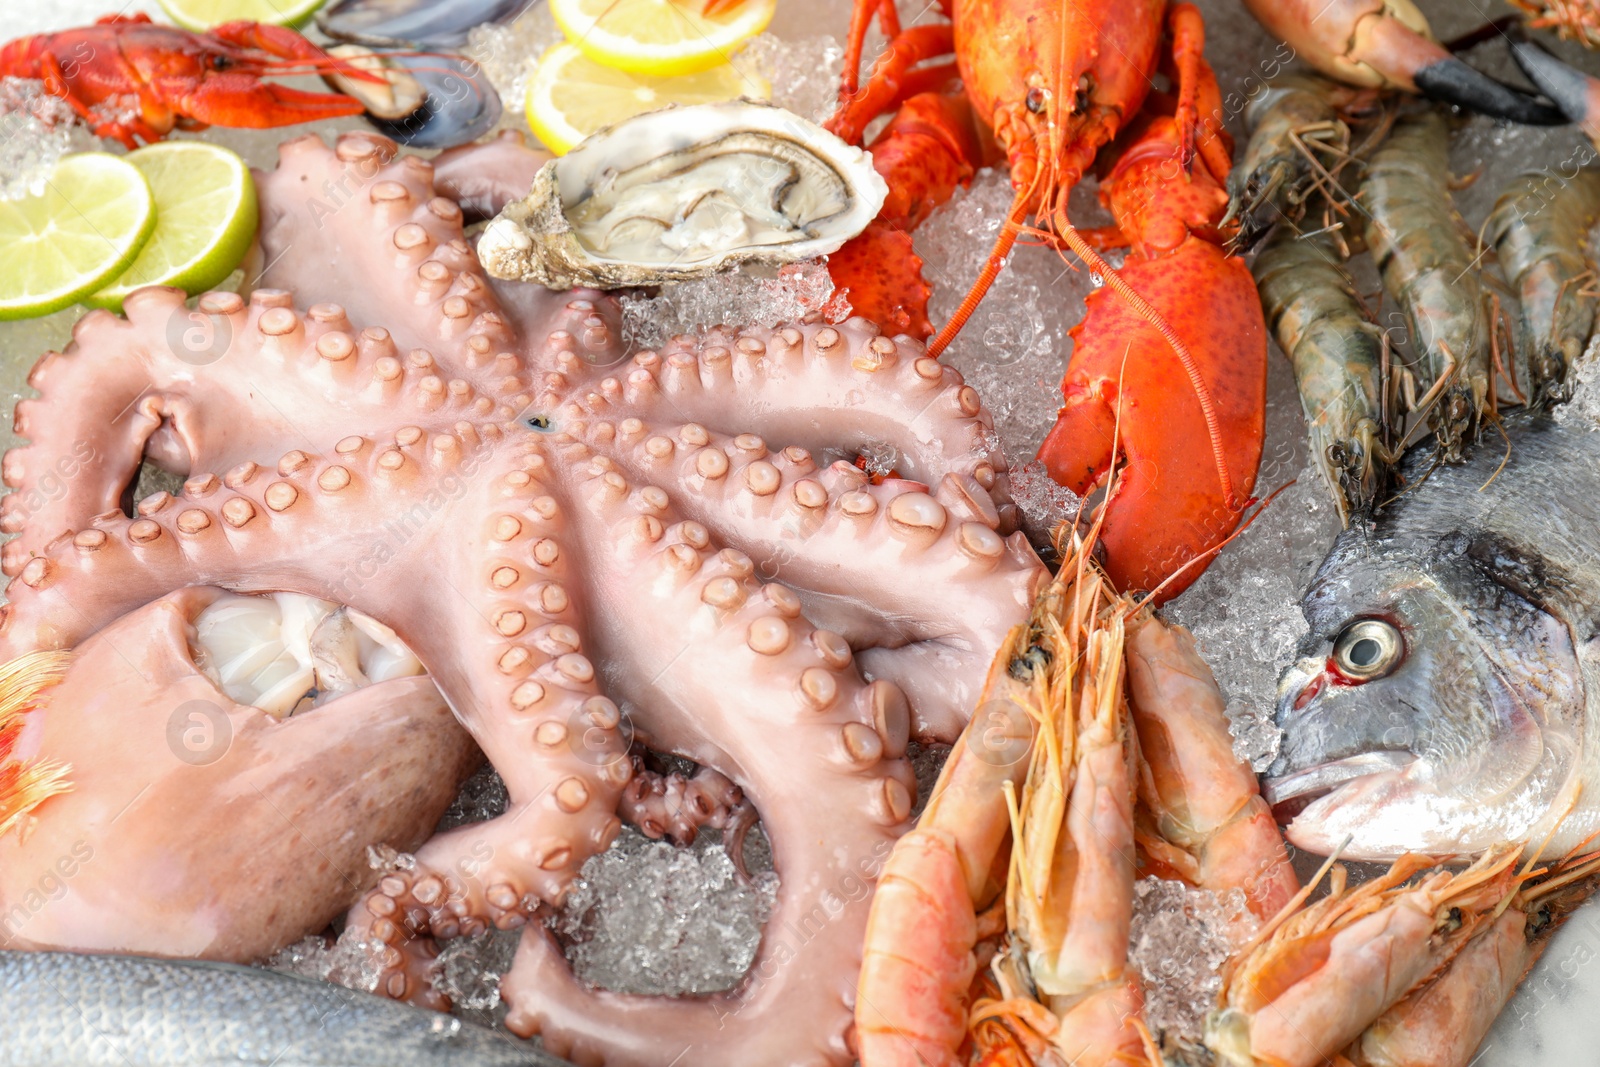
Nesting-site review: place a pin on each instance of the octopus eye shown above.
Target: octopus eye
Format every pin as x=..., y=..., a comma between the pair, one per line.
x=1035, y=100
x=540, y=423
x=1368, y=649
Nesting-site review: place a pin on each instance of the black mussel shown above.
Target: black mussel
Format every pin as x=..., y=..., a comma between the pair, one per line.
x=428, y=100
x=414, y=23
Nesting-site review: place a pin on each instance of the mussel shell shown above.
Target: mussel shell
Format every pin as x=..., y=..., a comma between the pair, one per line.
x=460, y=106
x=414, y=23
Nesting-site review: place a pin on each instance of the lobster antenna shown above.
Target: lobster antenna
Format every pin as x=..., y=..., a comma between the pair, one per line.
x=991, y=270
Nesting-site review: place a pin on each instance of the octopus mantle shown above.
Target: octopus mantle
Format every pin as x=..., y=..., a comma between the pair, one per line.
x=585, y=549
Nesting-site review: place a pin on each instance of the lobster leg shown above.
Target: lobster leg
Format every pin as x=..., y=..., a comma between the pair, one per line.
x=243, y=102
x=891, y=77
x=928, y=149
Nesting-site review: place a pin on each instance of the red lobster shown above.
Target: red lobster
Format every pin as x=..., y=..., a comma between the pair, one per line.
x=1168, y=373
x=133, y=80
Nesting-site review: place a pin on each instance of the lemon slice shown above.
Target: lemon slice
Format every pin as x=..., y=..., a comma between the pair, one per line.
x=205, y=219
x=571, y=96
x=659, y=37
x=94, y=216
x=201, y=15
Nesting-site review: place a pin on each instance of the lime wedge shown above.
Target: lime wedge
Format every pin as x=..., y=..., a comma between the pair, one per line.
x=95, y=214
x=200, y=15
x=205, y=219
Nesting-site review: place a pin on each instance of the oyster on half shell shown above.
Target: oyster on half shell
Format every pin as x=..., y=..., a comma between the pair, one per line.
x=684, y=193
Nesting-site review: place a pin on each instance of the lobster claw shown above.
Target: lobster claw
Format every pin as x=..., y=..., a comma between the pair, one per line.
x=242, y=101
x=1577, y=94
x=1388, y=43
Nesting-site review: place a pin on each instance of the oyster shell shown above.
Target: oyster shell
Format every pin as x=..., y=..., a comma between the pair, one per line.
x=684, y=193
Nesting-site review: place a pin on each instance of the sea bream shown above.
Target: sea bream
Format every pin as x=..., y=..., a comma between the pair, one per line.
x=1448, y=694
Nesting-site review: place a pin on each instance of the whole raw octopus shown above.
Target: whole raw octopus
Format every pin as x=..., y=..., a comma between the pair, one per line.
x=586, y=548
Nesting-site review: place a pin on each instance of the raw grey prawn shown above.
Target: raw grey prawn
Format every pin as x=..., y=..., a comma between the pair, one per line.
x=1337, y=353
x=1539, y=228
x=1429, y=271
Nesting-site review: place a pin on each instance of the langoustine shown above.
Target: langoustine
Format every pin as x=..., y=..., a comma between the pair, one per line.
x=568, y=502
x=1055, y=724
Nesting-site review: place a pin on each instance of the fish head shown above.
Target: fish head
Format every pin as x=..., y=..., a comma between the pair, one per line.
x=1436, y=706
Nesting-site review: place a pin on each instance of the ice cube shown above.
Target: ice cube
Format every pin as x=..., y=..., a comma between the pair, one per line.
x=36, y=130
x=803, y=72
x=748, y=296
x=647, y=917
x=509, y=54
x=1178, y=941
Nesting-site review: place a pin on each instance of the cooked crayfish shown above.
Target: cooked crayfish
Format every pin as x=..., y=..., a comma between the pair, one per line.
x=133, y=80
x=1184, y=409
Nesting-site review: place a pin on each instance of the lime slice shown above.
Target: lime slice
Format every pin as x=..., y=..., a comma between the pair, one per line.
x=200, y=15
x=659, y=37
x=205, y=219
x=95, y=214
x=571, y=96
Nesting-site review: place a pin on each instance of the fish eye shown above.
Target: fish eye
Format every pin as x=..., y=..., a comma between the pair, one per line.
x=1367, y=649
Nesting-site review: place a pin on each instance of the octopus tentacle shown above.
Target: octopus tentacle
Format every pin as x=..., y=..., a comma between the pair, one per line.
x=415, y=247
x=484, y=177
x=735, y=643
x=677, y=807
x=124, y=391
x=790, y=380
x=845, y=546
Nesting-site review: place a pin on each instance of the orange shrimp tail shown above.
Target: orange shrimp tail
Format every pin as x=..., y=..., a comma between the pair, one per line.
x=25, y=785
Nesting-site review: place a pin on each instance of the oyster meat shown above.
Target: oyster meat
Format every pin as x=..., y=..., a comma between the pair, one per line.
x=684, y=193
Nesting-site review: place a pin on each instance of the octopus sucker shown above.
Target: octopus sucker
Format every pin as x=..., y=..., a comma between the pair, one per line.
x=590, y=554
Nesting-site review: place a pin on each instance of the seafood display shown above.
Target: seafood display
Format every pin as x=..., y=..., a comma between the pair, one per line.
x=572, y=499
x=134, y=81
x=1388, y=43
x=1538, y=229
x=579, y=588
x=1185, y=411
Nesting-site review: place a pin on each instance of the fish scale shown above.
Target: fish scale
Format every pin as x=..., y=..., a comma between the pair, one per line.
x=65, y=1010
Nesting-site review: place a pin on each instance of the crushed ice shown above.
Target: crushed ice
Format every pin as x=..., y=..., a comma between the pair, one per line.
x=36, y=130
x=744, y=297
x=1178, y=941
x=647, y=917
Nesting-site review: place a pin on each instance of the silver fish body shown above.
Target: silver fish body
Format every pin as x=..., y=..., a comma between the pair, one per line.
x=1448, y=693
x=65, y=1010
